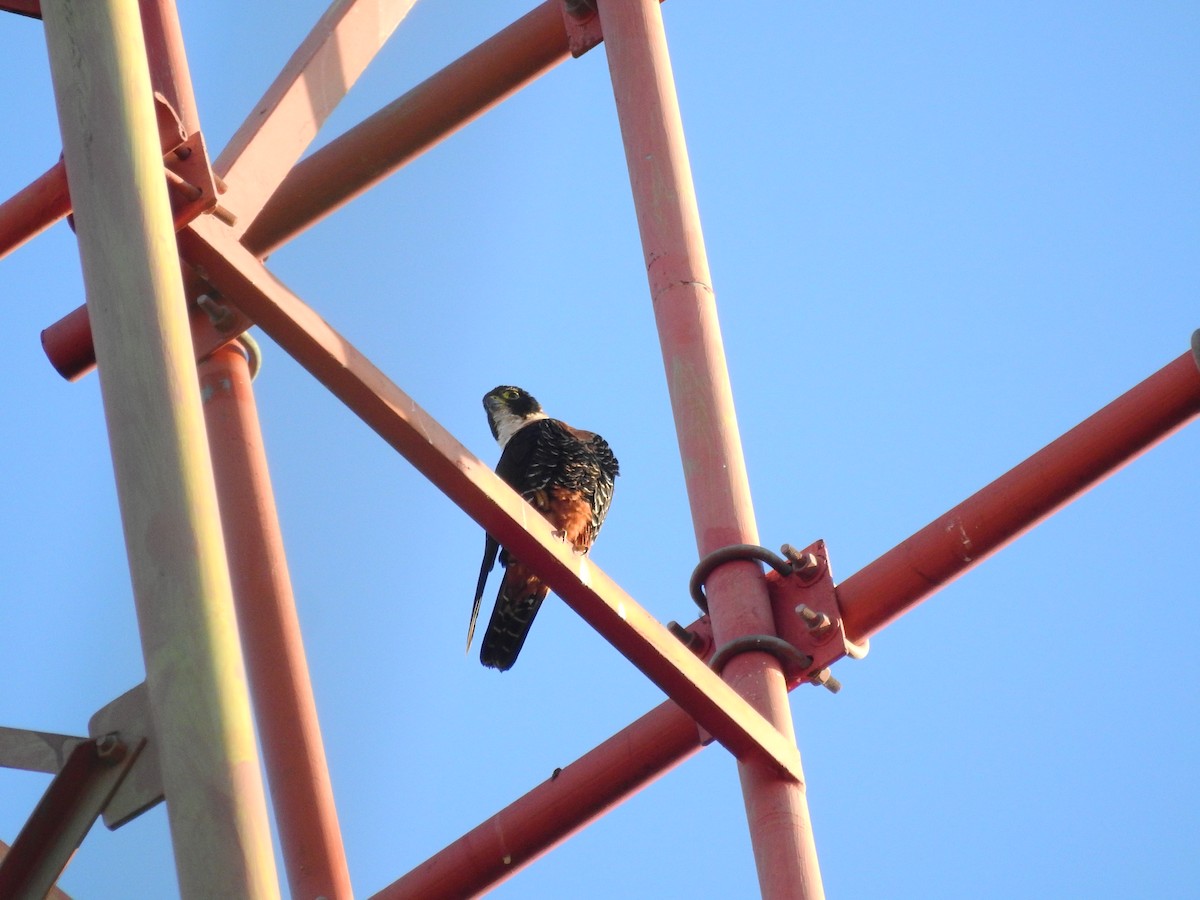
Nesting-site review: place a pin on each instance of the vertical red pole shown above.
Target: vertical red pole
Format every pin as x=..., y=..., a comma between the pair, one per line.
x=270, y=631
x=167, y=58
x=698, y=380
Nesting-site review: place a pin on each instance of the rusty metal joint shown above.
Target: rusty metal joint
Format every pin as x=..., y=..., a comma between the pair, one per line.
x=580, y=9
x=697, y=643
x=820, y=625
x=582, y=24
x=110, y=748
x=218, y=313
x=824, y=679
x=717, y=558
x=790, y=659
x=805, y=565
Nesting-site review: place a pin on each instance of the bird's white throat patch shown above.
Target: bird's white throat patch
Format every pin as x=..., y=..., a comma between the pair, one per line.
x=509, y=423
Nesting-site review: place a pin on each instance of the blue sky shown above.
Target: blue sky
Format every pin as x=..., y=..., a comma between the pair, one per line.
x=940, y=235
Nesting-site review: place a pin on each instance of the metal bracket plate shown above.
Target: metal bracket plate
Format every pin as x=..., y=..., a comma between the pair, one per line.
x=807, y=612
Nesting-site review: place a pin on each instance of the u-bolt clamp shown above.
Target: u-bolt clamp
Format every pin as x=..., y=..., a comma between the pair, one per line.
x=705, y=567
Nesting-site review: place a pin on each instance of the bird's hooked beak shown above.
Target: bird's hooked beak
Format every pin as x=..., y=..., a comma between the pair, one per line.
x=492, y=405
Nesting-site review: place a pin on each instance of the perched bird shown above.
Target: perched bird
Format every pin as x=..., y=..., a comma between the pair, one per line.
x=565, y=474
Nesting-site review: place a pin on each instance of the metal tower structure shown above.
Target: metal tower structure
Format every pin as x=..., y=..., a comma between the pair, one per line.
x=172, y=246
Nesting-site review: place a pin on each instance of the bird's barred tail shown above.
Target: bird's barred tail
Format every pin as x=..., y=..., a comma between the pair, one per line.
x=521, y=596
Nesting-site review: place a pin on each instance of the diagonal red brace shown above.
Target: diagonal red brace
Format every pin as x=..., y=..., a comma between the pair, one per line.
x=245, y=282
x=1021, y=498
x=64, y=815
x=664, y=737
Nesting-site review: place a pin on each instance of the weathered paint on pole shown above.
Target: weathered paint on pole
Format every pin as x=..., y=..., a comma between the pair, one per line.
x=554, y=810
x=34, y=208
x=705, y=422
x=289, y=115
x=1018, y=500
x=293, y=752
x=194, y=674
x=243, y=280
x=407, y=127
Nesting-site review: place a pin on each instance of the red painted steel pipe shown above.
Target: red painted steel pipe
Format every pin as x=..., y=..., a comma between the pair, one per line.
x=68, y=342
x=63, y=817
x=662, y=738
x=347, y=166
x=705, y=422
x=432, y=450
x=554, y=810
x=45, y=201
x=406, y=128
x=167, y=58
x=1021, y=498
x=34, y=208
x=30, y=8
x=285, y=710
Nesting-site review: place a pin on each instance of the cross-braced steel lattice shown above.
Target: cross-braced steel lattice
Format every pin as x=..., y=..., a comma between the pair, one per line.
x=136, y=174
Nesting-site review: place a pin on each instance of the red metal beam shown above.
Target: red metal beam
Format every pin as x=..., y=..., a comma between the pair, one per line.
x=45, y=201
x=34, y=208
x=554, y=810
x=63, y=816
x=347, y=166
x=664, y=737
x=30, y=8
x=1018, y=500
x=705, y=422
x=406, y=128
x=316, y=78
x=55, y=892
x=167, y=58
x=244, y=281
x=68, y=342
x=286, y=713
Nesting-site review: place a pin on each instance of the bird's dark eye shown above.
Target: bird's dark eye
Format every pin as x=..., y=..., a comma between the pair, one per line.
x=510, y=394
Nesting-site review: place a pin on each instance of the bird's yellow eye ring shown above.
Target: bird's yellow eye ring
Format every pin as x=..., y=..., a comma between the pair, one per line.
x=510, y=394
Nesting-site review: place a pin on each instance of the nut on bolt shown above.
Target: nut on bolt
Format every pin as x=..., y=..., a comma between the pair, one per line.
x=826, y=679
x=818, y=623
x=688, y=638
x=110, y=747
x=806, y=565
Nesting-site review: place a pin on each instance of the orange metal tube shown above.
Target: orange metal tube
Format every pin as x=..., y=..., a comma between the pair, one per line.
x=664, y=737
x=68, y=342
x=293, y=753
x=345, y=167
x=406, y=128
x=34, y=208
x=244, y=280
x=167, y=58
x=553, y=811
x=705, y=422
x=1021, y=498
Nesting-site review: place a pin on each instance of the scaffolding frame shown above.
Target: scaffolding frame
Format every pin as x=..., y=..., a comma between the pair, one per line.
x=127, y=112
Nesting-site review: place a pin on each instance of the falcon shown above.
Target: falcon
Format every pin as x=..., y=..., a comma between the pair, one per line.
x=565, y=474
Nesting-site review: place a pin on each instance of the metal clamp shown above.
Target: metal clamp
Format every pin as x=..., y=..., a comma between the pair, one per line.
x=705, y=567
x=791, y=659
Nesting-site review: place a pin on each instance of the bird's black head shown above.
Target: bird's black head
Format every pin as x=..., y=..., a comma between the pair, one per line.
x=509, y=406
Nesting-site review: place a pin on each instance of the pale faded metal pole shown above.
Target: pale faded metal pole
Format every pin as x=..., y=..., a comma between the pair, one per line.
x=701, y=399
x=194, y=673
